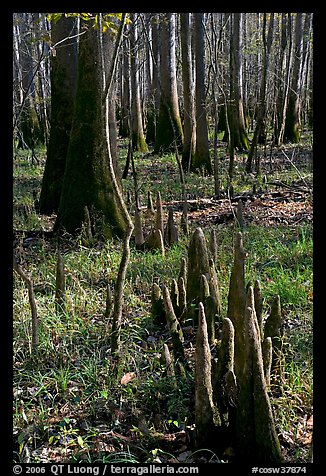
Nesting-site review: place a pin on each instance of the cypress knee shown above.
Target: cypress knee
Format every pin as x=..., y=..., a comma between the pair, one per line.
x=157, y=305
x=198, y=264
x=256, y=435
x=206, y=414
x=273, y=329
x=175, y=331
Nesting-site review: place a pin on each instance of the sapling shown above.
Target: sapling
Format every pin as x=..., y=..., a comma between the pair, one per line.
x=60, y=287
x=32, y=303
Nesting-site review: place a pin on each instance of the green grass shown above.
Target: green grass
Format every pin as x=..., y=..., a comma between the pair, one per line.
x=68, y=395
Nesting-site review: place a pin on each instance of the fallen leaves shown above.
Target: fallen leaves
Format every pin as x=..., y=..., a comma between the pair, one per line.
x=269, y=207
x=305, y=430
x=128, y=377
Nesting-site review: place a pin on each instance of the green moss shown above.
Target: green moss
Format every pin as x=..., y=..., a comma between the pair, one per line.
x=139, y=142
x=243, y=142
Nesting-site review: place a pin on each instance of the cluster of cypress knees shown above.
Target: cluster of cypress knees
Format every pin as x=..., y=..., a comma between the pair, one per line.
x=237, y=357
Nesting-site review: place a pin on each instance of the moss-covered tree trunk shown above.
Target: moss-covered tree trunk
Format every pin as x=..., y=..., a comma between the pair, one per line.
x=63, y=89
x=88, y=178
x=169, y=129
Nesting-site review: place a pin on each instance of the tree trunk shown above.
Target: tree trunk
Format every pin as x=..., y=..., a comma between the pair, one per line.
x=88, y=180
x=63, y=89
x=201, y=160
x=138, y=138
x=305, y=88
x=125, y=87
x=267, y=41
x=29, y=128
x=237, y=118
x=169, y=129
x=188, y=91
x=292, y=122
x=282, y=86
x=41, y=51
x=153, y=111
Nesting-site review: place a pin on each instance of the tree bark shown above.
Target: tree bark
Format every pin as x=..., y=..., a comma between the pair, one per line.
x=138, y=138
x=282, y=86
x=237, y=117
x=63, y=90
x=27, y=121
x=267, y=41
x=169, y=129
x=201, y=160
x=188, y=91
x=293, y=122
x=153, y=112
x=87, y=179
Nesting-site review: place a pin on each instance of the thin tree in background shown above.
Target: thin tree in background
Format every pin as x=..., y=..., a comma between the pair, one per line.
x=108, y=46
x=267, y=41
x=41, y=54
x=138, y=138
x=26, y=125
x=169, y=129
x=237, y=116
x=124, y=90
x=292, y=122
x=283, y=82
x=188, y=91
x=307, y=69
x=154, y=86
x=214, y=67
x=201, y=160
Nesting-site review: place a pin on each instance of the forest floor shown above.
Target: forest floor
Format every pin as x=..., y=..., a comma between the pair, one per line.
x=72, y=401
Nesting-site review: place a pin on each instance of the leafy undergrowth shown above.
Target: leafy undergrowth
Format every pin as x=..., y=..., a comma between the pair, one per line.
x=72, y=401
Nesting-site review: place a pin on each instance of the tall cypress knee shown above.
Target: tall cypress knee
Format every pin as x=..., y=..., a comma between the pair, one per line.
x=256, y=435
x=206, y=414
